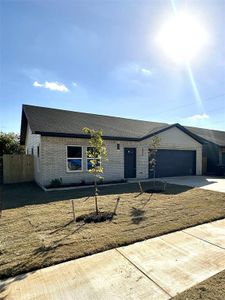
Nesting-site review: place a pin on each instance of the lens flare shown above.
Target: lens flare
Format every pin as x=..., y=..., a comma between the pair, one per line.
x=182, y=37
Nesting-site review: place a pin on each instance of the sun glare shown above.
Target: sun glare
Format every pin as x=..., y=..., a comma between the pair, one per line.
x=182, y=37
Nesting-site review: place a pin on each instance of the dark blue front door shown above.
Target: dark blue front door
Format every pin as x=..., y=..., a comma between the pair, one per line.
x=130, y=162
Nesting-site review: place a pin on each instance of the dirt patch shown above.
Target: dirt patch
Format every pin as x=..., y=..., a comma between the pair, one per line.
x=95, y=218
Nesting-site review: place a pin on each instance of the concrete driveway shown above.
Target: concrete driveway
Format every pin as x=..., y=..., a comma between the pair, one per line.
x=203, y=182
x=157, y=268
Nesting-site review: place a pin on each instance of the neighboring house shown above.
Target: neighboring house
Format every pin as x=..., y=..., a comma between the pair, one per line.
x=59, y=146
x=213, y=150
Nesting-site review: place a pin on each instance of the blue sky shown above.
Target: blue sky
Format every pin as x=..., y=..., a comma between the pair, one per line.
x=102, y=57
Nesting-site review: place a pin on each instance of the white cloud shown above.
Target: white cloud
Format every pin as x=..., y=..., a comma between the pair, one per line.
x=198, y=117
x=37, y=84
x=74, y=84
x=146, y=72
x=53, y=86
x=132, y=73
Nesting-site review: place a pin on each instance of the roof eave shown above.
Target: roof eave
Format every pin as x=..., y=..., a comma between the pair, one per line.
x=23, y=128
x=177, y=125
x=188, y=132
x=119, y=138
x=84, y=136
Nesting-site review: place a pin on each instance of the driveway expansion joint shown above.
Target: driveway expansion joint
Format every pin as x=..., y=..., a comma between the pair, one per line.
x=140, y=270
x=203, y=240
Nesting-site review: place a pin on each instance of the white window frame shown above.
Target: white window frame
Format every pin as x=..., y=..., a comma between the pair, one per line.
x=90, y=158
x=82, y=167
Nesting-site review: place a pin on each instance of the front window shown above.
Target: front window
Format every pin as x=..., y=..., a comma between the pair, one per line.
x=74, y=158
x=93, y=158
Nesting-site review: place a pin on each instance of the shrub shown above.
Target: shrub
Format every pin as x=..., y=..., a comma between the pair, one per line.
x=57, y=182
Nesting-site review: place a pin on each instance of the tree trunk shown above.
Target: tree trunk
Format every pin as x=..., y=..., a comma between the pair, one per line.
x=96, y=197
x=140, y=187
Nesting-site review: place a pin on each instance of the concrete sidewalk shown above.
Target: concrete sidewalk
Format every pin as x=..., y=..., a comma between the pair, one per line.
x=203, y=182
x=157, y=268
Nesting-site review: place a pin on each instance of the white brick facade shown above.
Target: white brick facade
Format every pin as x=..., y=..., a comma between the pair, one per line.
x=53, y=154
x=33, y=141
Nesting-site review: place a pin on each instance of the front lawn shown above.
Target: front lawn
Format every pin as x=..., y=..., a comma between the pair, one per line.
x=36, y=229
x=210, y=289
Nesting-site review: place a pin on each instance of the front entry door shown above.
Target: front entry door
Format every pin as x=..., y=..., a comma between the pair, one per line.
x=130, y=162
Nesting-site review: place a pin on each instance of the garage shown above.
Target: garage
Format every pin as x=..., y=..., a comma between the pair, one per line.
x=175, y=163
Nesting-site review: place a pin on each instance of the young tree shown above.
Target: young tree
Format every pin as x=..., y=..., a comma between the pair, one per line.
x=152, y=152
x=9, y=144
x=96, y=154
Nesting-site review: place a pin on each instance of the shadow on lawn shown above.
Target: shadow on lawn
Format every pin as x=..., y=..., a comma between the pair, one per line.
x=4, y=285
x=137, y=215
x=18, y=195
x=57, y=242
x=42, y=255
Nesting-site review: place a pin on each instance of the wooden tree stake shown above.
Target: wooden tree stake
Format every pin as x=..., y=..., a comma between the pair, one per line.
x=117, y=203
x=74, y=219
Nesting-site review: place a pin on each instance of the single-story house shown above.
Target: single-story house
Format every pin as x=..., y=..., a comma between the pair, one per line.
x=59, y=146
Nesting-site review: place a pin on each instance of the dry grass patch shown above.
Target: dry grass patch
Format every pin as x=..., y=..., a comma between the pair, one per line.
x=210, y=289
x=38, y=235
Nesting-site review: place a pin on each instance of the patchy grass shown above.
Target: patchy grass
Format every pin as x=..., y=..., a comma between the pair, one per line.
x=37, y=229
x=210, y=289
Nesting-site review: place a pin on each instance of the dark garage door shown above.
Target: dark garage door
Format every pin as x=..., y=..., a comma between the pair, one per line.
x=175, y=163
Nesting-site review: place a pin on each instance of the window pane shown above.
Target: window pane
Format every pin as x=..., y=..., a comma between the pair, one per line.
x=90, y=163
x=74, y=151
x=74, y=164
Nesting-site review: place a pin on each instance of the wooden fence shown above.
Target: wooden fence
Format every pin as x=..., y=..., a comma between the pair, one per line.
x=18, y=168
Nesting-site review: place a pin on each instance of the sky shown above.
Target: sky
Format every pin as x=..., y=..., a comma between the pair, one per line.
x=104, y=57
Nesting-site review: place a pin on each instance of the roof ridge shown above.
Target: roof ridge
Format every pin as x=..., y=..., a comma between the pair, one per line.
x=94, y=114
x=193, y=127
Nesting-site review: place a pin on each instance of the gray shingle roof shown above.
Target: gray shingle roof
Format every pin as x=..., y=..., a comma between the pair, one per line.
x=50, y=121
x=42, y=119
x=214, y=136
